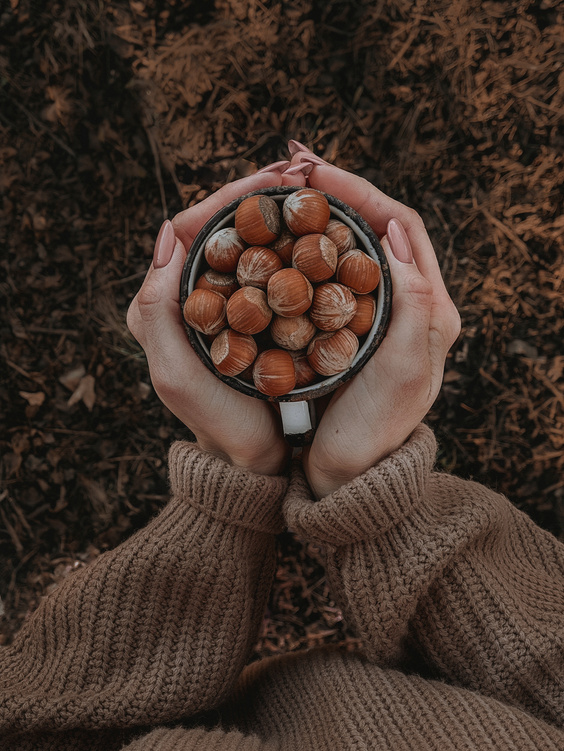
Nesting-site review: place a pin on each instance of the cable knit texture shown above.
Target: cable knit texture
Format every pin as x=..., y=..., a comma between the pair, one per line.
x=457, y=597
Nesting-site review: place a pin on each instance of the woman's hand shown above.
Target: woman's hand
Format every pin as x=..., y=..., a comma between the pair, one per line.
x=243, y=430
x=374, y=413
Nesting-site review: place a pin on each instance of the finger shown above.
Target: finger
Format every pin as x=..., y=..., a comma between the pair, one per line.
x=377, y=209
x=296, y=175
x=189, y=222
x=295, y=147
x=158, y=297
x=406, y=344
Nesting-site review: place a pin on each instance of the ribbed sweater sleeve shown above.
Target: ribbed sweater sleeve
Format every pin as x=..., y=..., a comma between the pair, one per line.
x=445, y=574
x=157, y=629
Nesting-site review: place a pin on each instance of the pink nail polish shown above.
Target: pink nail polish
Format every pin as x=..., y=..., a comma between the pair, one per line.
x=305, y=169
x=311, y=158
x=399, y=241
x=164, y=245
x=295, y=146
x=274, y=167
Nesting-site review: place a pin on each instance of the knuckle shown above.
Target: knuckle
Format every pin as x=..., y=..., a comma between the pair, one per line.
x=419, y=289
x=132, y=319
x=414, y=220
x=148, y=300
x=456, y=324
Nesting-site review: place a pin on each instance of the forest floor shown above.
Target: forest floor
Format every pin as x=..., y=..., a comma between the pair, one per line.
x=115, y=115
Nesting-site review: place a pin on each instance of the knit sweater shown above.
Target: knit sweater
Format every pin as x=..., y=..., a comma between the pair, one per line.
x=457, y=597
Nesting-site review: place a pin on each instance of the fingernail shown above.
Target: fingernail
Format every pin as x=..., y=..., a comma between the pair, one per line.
x=275, y=167
x=305, y=169
x=311, y=158
x=295, y=146
x=164, y=246
x=399, y=241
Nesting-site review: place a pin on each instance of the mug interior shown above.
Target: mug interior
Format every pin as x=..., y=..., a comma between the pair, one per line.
x=368, y=242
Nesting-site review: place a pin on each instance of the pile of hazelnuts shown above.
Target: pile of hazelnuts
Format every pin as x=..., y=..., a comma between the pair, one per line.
x=287, y=293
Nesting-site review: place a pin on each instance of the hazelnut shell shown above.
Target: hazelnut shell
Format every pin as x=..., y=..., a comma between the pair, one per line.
x=257, y=220
x=289, y=292
x=306, y=212
x=205, y=311
x=274, y=373
x=332, y=307
x=315, y=256
x=357, y=271
x=248, y=311
x=332, y=352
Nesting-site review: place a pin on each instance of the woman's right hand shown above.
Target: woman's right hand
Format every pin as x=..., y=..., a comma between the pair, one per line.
x=240, y=429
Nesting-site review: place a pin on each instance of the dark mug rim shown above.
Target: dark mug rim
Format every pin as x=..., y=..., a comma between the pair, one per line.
x=331, y=383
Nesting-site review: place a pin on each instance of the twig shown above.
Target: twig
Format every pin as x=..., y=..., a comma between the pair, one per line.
x=46, y=130
x=156, y=158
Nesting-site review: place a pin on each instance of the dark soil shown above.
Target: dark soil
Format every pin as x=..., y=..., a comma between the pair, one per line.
x=115, y=115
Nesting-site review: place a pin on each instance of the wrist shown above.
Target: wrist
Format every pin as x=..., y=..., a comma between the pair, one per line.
x=269, y=461
x=327, y=474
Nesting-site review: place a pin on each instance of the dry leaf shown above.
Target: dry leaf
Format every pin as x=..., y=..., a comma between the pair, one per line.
x=85, y=392
x=33, y=398
x=71, y=379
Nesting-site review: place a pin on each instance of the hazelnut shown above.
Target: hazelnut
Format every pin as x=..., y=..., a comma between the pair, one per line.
x=332, y=352
x=341, y=234
x=225, y=284
x=305, y=374
x=333, y=306
x=362, y=321
x=283, y=246
x=273, y=372
x=204, y=310
x=223, y=248
x=257, y=220
x=289, y=292
x=357, y=271
x=292, y=333
x=256, y=266
x=306, y=212
x=248, y=311
x=232, y=352
x=315, y=256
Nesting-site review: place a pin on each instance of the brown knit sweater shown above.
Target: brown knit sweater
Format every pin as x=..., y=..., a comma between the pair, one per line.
x=458, y=599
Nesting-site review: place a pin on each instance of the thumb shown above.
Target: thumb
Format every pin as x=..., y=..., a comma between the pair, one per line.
x=407, y=338
x=157, y=303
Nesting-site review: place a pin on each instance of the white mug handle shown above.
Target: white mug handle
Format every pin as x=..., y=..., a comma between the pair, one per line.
x=298, y=422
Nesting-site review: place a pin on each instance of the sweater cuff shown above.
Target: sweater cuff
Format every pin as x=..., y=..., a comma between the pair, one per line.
x=232, y=495
x=370, y=504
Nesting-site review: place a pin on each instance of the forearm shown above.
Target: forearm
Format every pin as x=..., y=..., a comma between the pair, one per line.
x=433, y=570
x=160, y=627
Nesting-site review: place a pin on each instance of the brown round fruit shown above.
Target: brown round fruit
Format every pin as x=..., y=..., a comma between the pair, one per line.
x=305, y=374
x=248, y=311
x=333, y=306
x=205, y=311
x=274, y=373
x=225, y=284
x=223, y=249
x=315, y=256
x=257, y=220
x=232, y=352
x=283, y=246
x=292, y=333
x=289, y=293
x=357, y=271
x=361, y=323
x=341, y=234
x=306, y=212
x=333, y=352
x=256, y=265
